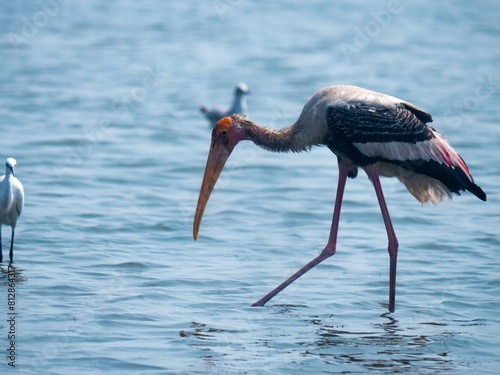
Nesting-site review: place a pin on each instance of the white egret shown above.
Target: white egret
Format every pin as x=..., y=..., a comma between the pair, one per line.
x=11, y=201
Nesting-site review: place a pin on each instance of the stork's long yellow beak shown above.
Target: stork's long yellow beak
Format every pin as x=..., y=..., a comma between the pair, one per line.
x=222, y=146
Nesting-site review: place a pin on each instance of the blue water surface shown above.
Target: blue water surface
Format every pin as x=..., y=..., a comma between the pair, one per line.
x=99, y=105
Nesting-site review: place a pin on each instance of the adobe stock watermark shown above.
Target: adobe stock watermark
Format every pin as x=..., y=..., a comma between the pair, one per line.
x=121, y=108
x=32, y=25
x=456, y=116
x=11, y=316
x=225, y=7
x=364, y=36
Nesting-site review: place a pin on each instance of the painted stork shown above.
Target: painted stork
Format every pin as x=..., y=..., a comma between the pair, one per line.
x=381, y=134
x=239, y=106
x=11, y=202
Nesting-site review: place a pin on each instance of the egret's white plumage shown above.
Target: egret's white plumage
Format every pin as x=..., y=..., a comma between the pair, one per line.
x=11, y=201
x=239, y=106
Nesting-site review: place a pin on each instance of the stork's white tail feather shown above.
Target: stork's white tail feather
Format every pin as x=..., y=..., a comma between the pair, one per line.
x=426, y=189
x=437, y=149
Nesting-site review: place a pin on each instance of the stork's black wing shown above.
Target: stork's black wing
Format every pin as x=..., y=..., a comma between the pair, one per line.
x=368, y=134
x=368, y=124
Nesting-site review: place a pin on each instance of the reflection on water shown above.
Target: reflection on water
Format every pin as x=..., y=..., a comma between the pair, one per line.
x=12, y=269
x=314, y=341
x=388, y=347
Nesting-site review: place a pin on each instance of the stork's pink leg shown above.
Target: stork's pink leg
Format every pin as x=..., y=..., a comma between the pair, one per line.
x=327, y=252
x=393, y=241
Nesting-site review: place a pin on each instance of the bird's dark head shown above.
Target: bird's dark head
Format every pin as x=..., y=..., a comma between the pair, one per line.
x=242, y=89
x=224, y=138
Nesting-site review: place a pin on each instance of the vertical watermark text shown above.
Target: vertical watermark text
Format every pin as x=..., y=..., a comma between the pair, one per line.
x=11, y=316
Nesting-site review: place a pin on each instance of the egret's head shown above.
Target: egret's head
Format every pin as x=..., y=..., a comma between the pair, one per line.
x=11, y=164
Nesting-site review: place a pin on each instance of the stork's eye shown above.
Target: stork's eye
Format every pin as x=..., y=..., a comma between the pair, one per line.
x=223, y=134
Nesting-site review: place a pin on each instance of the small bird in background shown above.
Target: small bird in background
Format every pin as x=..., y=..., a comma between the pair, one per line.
x=239, y=106
x=11, y=201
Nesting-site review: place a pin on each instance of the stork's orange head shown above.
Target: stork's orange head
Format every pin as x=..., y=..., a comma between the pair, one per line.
x=223, y=142
x=223, y=134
